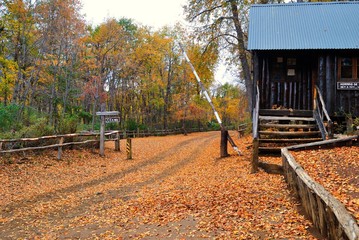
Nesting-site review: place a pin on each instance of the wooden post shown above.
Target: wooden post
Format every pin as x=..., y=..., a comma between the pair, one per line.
x=102, y=132
x=349, y=126
x=117, y=142
x=129, y=148
x=256, y=69
x=59, y=149
x=224, y=143
x=329, y=85
x=255, y=155
x=102, y=137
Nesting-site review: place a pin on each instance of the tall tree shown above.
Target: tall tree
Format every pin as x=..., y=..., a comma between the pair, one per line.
x=224, y=22
x=60, y=26
x=21, y=40
x=106, y=46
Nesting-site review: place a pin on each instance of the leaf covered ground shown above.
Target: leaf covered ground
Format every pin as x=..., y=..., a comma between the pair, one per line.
x=337, y=170
x=175, y=187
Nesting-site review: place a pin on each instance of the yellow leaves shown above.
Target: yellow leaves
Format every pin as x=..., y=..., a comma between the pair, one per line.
x=8, y=74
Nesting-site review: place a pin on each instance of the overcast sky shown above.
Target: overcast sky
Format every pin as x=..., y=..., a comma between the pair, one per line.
x=155, y=13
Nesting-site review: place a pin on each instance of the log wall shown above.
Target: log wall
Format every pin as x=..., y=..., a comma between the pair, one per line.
x=310, y=68
x=328, y=214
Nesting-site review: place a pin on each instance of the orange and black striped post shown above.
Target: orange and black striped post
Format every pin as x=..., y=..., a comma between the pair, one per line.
x=129, y=148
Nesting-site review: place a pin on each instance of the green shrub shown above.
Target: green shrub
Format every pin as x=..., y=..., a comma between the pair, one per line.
x=8, y=118
x=131, y=125
x=68, y=124
x=112, y=126
x=85, y=116
x=38, y=129
x=356, y=123
x=213, y=126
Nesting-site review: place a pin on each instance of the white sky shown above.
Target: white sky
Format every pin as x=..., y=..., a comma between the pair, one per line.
x=155, y=13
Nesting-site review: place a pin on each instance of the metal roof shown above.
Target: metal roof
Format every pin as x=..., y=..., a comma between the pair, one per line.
x=333, y=25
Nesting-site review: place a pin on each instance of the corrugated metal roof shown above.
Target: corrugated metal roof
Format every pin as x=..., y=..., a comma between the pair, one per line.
x=333, y=25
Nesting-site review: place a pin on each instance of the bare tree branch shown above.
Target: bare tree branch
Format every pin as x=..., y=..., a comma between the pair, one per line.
x=205, y=11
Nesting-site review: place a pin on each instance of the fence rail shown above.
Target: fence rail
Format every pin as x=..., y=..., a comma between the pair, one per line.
x=82, y=138
x=327, y=213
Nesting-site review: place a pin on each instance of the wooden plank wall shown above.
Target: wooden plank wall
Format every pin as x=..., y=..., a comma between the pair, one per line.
x=319, y=68
x=347, y=101
x=287, y=92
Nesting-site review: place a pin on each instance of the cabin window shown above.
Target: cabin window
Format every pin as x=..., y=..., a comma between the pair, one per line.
x=346, y=68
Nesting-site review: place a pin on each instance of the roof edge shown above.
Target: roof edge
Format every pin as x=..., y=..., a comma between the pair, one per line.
x=303, y=4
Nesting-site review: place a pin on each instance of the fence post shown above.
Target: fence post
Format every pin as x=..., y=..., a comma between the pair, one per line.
x=59, y=149
x=129, y=148
x=102, y=131
x=255, y=160
x=117, y=142
x=102, y=137
x=224, y=143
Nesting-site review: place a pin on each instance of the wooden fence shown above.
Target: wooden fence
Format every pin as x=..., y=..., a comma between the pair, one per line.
x=56, y=141
x=327, y=213
x=85, y=138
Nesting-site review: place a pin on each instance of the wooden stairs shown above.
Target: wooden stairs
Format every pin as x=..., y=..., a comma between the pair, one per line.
x=282, y=128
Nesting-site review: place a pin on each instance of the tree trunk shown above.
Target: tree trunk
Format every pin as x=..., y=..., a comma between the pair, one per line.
x=167, y=96
x=242, y=54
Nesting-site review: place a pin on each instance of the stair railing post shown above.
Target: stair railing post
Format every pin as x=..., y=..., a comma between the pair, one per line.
x=255, y=121
x=255, y=160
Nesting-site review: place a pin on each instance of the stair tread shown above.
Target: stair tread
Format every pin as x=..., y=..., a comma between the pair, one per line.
x=272, y=149
x=286, y=112
x=273, y=140
x=274, y=125
x=308, y=119
x=282, y=133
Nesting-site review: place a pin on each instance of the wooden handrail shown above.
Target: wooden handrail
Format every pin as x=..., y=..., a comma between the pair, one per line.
x=323, y=104
x=255, y=159
x=321, y=112
x=256, y=115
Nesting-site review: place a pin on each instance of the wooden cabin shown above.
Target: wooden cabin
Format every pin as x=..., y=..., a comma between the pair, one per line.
x=305, y=69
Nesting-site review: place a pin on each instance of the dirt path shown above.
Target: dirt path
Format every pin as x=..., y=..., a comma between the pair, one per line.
x=174, y=188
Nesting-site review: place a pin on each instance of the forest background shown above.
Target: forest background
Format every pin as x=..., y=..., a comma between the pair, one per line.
x=56, y=70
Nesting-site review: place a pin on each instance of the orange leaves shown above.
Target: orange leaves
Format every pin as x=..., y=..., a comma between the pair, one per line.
x=175, y=187
x=337, y=170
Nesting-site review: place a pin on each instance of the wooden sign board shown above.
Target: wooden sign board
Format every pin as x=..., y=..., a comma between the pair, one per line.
x=112, y=119
x=109, y=113
x=348, y=85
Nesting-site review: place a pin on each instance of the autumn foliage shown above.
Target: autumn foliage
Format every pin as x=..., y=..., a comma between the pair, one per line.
x=55, y=66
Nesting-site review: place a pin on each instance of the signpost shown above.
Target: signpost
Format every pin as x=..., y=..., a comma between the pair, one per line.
x=105, y=115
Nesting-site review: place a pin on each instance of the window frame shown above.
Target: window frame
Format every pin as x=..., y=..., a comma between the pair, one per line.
x=355, y=67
